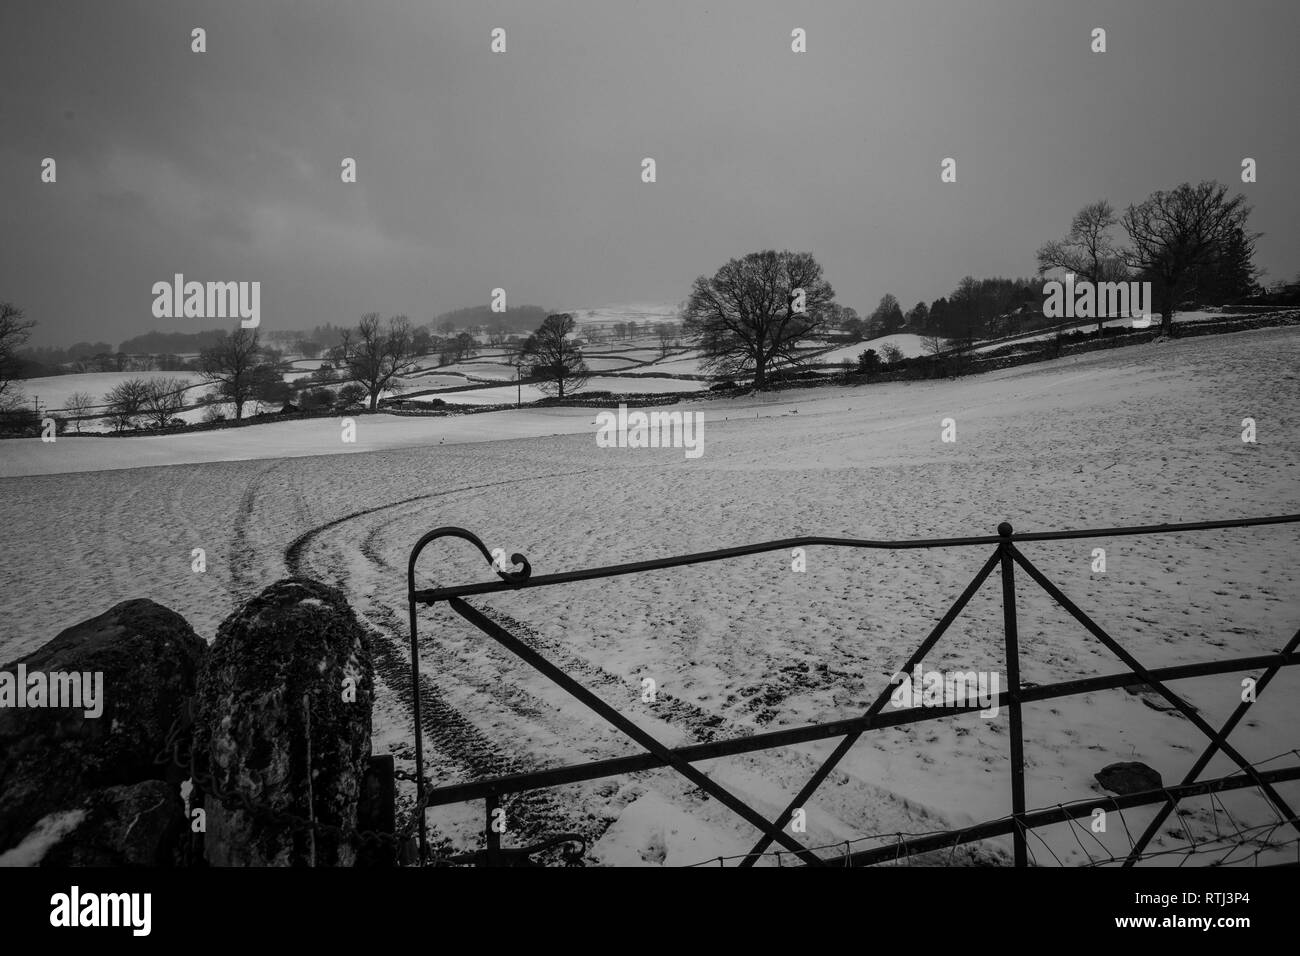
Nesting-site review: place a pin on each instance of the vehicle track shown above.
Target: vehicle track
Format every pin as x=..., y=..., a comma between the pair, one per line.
x=244, y=580
x=456, y=742
x=702, y=725
x=456, y=746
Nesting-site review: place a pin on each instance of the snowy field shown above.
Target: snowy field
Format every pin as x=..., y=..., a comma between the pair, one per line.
x=598, y=363
x=496, y=371
x=1144, y=434
x=55, y=390
x=631, y=384
x=910, y=345
x=652, y=313
x=1179, y=318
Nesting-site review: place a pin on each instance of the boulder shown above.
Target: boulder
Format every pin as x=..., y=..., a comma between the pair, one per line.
x=1126, y=778
x=53, y=758
x=282, y=729
x=141, y=824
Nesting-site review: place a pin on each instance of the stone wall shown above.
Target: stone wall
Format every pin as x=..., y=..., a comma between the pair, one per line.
x=251, y=752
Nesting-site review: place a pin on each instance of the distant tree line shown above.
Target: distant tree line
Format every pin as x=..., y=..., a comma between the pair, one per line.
x=755, y=313
x=1191, y=243
x=520, y=319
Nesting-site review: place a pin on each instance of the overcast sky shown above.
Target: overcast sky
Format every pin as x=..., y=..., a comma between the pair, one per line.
x=523, y=170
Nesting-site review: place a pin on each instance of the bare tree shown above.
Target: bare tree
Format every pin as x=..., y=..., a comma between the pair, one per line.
x=375, y=353
x=230, y=364
x=1176, y=235
x=553, y=358
x=126, y=402
x=164, y=397
x=1087, y=250
x=933, y=344
x=78, y=405
x=667, y=332
x=464, y=345
x=754, y=311
x=14, y=330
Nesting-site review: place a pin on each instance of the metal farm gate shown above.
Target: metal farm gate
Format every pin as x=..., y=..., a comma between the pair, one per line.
x=1005, y=557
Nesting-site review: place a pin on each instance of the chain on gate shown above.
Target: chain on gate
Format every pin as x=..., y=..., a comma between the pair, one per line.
x=400, y=844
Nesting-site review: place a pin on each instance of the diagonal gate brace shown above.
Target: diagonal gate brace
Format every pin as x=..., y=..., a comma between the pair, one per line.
x=877, y=706
x=1228, y=727
x=1197, y=720
x=499, y=634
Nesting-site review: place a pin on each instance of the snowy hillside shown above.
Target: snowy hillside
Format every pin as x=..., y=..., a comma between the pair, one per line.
x=1136, y=435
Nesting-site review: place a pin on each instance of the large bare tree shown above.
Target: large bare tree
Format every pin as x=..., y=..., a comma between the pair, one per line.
x=14, y=330
x=375, y=353
x=754, y=311
x=1087, y=249
x=78, y=407
x=164, y=397
x=126, y=402
x=550, y=356
x=230, y=363
x=1178, y=235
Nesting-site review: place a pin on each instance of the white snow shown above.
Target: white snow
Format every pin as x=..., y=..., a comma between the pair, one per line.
x=910, y=345
x=47, y=832
x=55, y=390
x=1085, y=326
x=1136, y=435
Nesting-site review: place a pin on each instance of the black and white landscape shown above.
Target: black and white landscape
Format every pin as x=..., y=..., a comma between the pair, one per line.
x=285, y=286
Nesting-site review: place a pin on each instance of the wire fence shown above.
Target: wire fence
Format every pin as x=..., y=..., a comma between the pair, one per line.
x=1087, y=840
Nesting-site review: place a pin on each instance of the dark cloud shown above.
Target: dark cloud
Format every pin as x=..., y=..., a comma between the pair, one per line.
x=522, y=170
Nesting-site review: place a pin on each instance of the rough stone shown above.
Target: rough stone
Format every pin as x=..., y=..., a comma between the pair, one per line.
x=273, y=728
x=142, y=824
x=1126, y=778
x=51, y=759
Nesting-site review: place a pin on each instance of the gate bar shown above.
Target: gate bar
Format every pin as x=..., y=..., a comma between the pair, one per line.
x=696, y=753
x=697, y=777
x=1197, y=720
x=1062, y=814
x=1013, y=693
x=433, y=595
x=1228, y=727
x=876, y=707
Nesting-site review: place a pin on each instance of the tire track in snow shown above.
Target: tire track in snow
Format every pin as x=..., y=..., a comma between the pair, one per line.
x=244, y=581
x=453, y=736
x=455, y=740
x=703, y=726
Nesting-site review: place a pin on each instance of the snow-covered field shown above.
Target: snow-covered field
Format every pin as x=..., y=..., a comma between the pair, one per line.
x=609, y=364
x=652, y=313
x=55, y=390
x=496, y=371
x=910, y=345
x=1137, y=435
x=1179, y=318
x=631, y=384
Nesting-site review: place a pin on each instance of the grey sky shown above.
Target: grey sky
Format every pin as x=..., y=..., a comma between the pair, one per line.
x=522, y=170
